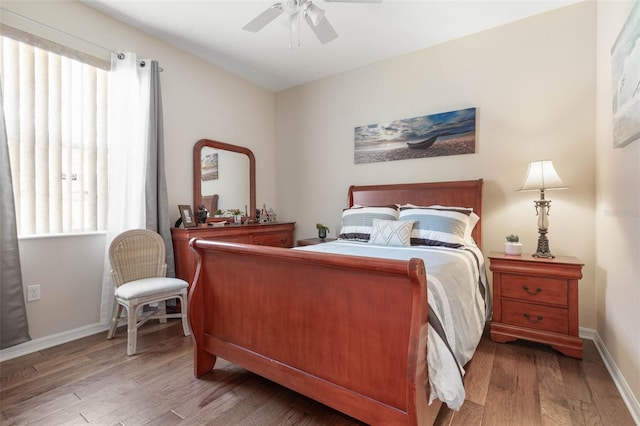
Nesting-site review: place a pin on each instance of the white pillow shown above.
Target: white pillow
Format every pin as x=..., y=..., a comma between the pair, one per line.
x=473, y=221
x=391, y=232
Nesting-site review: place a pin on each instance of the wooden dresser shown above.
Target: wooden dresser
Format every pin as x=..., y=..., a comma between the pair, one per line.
x=267, y=234
x=536, y=299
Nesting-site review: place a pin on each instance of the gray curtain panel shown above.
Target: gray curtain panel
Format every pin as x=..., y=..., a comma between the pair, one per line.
x=157, y=203
x=14, y=328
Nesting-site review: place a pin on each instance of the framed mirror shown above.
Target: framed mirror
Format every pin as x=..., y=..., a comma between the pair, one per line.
x=224, y=177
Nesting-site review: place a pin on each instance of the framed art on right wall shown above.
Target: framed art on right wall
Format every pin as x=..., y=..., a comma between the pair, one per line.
x=625, y=82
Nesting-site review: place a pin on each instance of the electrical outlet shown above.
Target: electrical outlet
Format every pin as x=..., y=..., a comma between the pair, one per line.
x=33, y=293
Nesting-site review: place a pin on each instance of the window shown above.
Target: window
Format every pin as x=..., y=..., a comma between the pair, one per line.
x=56, y=114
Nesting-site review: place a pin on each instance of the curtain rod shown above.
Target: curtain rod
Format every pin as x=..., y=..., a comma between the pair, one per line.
x=120, y=55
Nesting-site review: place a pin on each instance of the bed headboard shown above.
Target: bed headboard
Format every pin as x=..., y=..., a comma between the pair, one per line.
x=465, y=193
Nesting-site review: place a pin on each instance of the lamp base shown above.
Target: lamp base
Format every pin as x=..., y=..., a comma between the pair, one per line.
x=543, y=255
x=543, y=247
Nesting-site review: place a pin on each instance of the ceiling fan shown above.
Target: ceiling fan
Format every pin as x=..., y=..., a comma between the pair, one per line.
x=294, y=11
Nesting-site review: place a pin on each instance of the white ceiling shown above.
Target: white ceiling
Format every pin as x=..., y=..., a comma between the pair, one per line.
x=367, y=32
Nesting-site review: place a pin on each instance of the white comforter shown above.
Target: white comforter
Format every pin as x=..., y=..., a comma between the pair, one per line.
x=459, y=305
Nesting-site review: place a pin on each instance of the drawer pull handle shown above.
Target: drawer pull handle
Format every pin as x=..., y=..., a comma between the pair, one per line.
x=526, y=288
x=538, y=319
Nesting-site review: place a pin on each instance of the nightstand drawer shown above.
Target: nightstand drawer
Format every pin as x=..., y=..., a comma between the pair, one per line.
x=535, y=316
x=535, y=289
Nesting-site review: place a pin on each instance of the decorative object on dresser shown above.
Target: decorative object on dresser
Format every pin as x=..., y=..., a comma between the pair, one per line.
x=186, y=216
x=542, y=176
x=237, y=215
x=513, y=246
x=536, y=299
x=203, y=214
x=322, y=231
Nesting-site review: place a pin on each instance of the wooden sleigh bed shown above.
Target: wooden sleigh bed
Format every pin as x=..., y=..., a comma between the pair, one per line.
x=349, y=332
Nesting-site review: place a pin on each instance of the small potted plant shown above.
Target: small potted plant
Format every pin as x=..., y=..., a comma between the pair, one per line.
x=513, y=246
x=322, y=231
x=237, y=215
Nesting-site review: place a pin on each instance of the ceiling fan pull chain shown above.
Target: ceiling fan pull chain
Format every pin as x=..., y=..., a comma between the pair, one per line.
x=290, y=33
x=299, y=14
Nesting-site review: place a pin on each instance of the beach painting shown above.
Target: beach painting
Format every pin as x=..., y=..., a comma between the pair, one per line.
x=446, y=133
x=625, y=70
x=209, y=166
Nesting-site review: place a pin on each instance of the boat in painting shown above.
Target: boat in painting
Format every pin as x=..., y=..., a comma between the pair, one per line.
x=423, y=144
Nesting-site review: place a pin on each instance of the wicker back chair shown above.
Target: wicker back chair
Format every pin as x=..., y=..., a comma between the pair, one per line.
x=139, y=272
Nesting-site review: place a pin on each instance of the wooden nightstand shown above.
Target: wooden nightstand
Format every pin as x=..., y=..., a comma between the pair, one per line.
x=536, y=299
x=312, y=241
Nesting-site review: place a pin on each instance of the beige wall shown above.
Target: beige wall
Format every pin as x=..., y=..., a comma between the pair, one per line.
x=199, y=100
x=617, y=216
x=532, y=83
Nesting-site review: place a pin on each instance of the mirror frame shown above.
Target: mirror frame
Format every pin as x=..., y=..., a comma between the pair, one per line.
x=197, y=175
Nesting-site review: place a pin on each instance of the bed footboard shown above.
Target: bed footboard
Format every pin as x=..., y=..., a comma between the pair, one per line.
x=349, y=332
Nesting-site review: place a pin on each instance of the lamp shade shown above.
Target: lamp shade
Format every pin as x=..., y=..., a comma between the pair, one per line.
x=541, y=175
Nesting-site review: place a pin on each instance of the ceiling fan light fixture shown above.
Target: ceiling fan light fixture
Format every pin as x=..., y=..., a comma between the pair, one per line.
x=296, y=10
x=314, y=13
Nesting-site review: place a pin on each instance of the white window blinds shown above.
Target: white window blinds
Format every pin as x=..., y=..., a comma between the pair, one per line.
x=56, y=114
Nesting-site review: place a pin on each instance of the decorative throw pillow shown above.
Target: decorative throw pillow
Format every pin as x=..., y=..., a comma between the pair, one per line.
x=441, y=226
x=391, y=232
x=357, y=221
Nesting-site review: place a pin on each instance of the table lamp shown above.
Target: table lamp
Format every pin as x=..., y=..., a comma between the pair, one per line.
x=542, y=176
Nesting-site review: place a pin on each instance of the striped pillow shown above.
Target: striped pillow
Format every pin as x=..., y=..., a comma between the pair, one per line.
x=437, y=226
x=473, y=221
x=358, y=221
x=391, y=232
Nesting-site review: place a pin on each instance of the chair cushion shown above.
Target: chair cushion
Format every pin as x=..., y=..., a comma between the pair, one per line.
x=149, y=287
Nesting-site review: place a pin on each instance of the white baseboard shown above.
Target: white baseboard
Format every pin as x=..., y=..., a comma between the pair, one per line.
x=627, y=396
x=50, y=341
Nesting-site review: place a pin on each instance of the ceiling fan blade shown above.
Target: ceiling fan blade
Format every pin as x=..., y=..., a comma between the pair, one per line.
x=353, y=1
x=323, y=30
x=260, y=21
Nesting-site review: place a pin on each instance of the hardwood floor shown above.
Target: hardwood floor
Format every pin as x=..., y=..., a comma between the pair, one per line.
x=92, y=381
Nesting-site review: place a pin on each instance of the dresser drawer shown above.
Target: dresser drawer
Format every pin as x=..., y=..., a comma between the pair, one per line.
x=540, y=317
x=244, y=239
x=281, y=239
x=535, y=289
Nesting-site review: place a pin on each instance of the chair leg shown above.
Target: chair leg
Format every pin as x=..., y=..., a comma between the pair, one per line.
x=117, y=310
x=162, y=311
x=183, y=308
x=132, y=329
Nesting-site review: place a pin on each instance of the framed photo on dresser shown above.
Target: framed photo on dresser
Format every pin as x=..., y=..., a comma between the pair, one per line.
x=186, y=214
